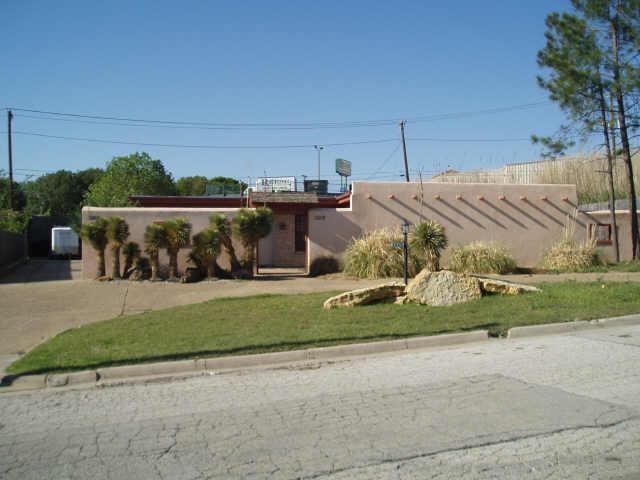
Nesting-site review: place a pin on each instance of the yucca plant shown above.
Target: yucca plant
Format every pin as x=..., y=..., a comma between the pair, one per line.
x=373, y=255
x=96, y=234
x=154, y=241
x=131, y=252
x=250, y=226
x=206, y=248
x=428, y=239
x=482, y=257
x=177, y=232
x=117, y=234
x=223, y=226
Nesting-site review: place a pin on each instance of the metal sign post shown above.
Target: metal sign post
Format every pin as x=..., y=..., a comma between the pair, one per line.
x=343, y=168
x=405, y=250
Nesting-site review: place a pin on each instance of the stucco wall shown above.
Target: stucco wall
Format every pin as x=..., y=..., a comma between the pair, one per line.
x=524, y=218
x=624, y=234
x=138, y=218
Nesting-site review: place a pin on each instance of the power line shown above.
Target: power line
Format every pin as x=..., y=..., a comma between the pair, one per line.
x=384, y=162
x=468, y=140
x=217, y=147
x=49, y=115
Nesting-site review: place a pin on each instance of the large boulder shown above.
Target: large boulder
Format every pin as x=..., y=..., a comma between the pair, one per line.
x=363, y=296
x=442, y=288
x=492, y=285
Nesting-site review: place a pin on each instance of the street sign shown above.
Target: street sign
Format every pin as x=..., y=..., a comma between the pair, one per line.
x=276, y=184
x=343, y=167
x=397, y=244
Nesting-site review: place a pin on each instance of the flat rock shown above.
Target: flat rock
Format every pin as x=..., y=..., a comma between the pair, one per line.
x=492, y=285
x=442, y=288
x=365, y=296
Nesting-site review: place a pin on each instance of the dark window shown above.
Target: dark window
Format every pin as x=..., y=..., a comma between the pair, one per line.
x=301, y=233
x=601, y=233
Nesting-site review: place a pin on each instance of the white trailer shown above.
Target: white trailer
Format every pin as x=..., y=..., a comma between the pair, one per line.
x=64, y=242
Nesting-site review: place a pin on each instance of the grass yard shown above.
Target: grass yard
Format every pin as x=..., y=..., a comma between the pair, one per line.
x=284, y=322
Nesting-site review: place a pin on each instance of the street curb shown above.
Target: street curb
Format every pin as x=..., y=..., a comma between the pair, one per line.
x=568, y=327
x=203, y=365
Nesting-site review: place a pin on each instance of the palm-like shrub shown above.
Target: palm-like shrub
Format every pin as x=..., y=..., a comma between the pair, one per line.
x=250, y=226
x=373, y=256
x=206, y=248
x=176, y=235
x=428, y=239
x=117, y=234
x=154, y=241
x=482, y=257
x=223, y=226
x=96, y=234
x=131, y=252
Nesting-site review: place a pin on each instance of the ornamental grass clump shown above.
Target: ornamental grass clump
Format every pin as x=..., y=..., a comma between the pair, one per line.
x=481, y=257
x=373, y=255
x=569, y=255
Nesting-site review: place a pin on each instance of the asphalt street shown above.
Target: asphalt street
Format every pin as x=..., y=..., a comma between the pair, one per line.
x=561, y=406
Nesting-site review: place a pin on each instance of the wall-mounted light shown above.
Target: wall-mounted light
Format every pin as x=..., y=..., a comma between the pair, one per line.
x=458, y=197
x=565, y=199
x=436, y=197
x=544, y=198
x=414, y=196
x=480, y=197
x=502, y=197
x=523, y=198
x=368, y=196
x=392, y=197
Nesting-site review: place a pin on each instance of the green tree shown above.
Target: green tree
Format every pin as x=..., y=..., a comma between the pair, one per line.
x=192, y=186
x=429, y=239
x=135, y=174
x=206, y=248
x=19, y=200
x=131, y=252
x=591, y=57
x=176, y=235
x=117, y=234
x=154, y=240
x=59, y=193
x=96, y=234
x=250, y=226
x=223, y=226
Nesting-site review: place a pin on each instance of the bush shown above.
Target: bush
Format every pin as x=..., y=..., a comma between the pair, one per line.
x=481, y=257
x=568, y=255
x=373, y=256
x=324, y=265
x=429, y=239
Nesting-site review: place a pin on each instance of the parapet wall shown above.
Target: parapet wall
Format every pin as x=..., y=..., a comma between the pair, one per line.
x=526, y=219
x=138, y=218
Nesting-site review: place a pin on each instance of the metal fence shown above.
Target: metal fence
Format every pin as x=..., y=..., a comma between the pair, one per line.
x=13, y=247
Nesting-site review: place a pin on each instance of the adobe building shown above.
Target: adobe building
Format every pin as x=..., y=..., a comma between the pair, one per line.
x=526, y=219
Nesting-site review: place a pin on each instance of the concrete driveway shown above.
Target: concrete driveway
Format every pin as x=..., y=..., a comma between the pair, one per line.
x=46, y=297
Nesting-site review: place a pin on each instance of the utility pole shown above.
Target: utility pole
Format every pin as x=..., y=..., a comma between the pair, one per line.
x=9, y=119
x=404, y=151
x=319, y=149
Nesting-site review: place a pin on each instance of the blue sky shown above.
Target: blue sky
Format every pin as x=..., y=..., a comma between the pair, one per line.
x=275, y=62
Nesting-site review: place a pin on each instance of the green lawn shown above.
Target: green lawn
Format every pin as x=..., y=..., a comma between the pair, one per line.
x=283, y=322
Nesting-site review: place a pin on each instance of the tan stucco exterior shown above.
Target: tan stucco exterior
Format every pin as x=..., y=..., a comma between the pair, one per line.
x=526, y=219
x=138, y=218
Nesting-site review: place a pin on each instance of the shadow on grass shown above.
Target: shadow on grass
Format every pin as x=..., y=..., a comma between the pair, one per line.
x=245, y=350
